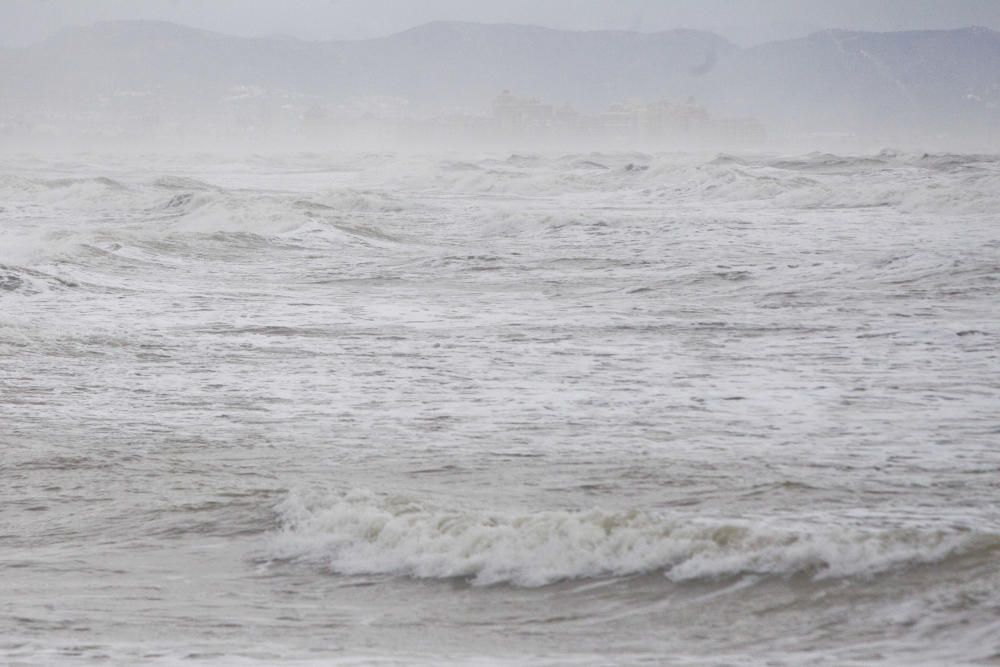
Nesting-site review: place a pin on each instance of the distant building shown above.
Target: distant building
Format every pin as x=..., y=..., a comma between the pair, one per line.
x=514, y=113
x=661, y=123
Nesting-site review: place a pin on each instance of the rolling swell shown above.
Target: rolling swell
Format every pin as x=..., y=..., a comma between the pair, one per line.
x=171, y=218
x=911, y=183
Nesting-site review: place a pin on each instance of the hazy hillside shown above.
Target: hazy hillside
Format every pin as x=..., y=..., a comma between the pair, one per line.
x=829, y=81
x=469, y=63
x=440, y=63
x=857, y=80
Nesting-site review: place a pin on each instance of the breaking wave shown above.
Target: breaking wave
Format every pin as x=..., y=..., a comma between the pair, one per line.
x=911, y=183
x=359, y=532
x=176, y=211
x=151, y=212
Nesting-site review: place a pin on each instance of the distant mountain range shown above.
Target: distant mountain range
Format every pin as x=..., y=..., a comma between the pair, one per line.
x=834, y=81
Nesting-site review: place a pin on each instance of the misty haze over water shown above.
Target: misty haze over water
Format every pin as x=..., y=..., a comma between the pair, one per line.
x=478, y=333
x=435, y=87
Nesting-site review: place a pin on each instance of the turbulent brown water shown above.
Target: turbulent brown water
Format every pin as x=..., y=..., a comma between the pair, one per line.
x=561, y=409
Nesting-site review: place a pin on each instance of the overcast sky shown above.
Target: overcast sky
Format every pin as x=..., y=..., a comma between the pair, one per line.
x=743, y=21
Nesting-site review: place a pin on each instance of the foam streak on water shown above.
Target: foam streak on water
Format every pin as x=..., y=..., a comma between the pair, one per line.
x=563, y=409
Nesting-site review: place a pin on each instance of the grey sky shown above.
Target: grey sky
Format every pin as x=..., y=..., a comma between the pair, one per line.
x=744, y=21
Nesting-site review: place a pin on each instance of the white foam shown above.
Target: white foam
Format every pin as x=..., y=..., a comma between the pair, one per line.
x=359, y=532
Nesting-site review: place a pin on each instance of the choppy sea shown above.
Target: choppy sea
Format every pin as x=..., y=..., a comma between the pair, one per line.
x=512, y=409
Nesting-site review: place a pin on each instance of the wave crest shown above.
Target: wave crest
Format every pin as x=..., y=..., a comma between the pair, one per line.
x=359, y=532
